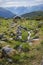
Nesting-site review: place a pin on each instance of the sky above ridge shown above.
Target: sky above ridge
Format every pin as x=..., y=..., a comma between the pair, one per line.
x=20, y=3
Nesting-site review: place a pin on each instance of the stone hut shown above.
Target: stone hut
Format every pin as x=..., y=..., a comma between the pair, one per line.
x=17, y=18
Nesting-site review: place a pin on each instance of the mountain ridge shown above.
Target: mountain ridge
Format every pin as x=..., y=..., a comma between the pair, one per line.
x=23, y=10
x=33, y=15
x=6, y=13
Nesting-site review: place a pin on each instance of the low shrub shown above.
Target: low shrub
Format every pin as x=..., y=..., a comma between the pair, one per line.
x=24, y=35
x=16, y=58
x=26, y=47
x=17, y=44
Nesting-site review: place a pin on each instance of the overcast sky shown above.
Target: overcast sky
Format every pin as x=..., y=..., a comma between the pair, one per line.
x=20, y=3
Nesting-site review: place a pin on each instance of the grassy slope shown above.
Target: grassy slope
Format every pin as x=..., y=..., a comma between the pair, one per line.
x=34, y=56
x=34, y=15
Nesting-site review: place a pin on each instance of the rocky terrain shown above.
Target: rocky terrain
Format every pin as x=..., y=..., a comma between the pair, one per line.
x=21, y=41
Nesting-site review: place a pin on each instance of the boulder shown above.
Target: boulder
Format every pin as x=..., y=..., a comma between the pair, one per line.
x=8, y=52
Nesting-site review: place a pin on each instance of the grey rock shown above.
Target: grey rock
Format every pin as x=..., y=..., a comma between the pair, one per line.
x=6, y=50
x=9, y=60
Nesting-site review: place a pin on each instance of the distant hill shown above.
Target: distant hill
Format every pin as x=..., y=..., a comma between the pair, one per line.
x=6, y=13
x=23, y=10
x=33, y=15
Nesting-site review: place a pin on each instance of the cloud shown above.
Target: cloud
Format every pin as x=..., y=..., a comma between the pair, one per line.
x=19, y=3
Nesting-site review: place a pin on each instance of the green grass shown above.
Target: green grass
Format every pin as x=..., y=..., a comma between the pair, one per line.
x=34, y=54
x=24, y=35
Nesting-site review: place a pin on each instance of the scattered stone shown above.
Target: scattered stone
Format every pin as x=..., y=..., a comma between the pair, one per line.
x=12, y=34
x=19, y=33
x=20, y=37
x=20, y=48
x=4, y=39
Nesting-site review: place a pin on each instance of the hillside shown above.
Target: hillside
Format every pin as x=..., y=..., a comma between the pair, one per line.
x=6, y=13
x=34, y=15
x=21, y=41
